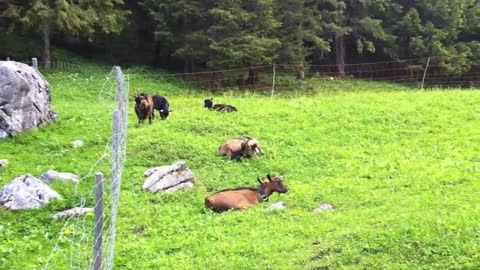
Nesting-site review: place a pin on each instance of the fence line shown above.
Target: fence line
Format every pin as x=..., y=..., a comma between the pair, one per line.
x=92, y=242
x=413, y=72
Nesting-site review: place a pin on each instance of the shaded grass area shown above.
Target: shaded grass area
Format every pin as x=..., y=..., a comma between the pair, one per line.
x=400, y=166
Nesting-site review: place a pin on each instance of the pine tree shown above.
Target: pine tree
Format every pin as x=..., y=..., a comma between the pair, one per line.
x=180, y=27
x=358, y=22
x=242, y=33
x=300, y=32
x=447, y=30
x=79, y=17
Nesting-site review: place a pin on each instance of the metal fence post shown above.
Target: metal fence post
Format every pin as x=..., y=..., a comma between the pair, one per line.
x=273, y=82
x=98, y=237
x=34, y=63
x=425, y=72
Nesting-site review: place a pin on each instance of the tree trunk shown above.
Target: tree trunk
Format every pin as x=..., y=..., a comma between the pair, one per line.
x=47, y=64
x=340, y=55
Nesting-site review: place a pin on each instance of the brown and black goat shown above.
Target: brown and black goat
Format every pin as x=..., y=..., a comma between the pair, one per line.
x=242, y=147
x=143, y=107
x=245, y=197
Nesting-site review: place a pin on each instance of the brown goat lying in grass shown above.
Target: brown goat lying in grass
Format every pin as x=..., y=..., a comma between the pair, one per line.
x=245, y=197
x=143, y=107
x=243, y=147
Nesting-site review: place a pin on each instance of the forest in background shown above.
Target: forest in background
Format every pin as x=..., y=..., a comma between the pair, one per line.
x=196, y=35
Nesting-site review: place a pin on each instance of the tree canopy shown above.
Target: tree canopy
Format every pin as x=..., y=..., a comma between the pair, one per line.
x=239, y=33
x=75, y=18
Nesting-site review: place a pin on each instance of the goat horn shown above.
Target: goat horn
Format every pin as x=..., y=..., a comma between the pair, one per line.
x=260, y=181
x=269, y=178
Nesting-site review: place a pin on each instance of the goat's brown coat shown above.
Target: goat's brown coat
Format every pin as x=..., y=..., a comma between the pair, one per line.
x=241, y=198
x=144, y=108
x=236, y=148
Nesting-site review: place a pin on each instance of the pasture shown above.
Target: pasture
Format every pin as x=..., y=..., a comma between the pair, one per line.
x=401, y=166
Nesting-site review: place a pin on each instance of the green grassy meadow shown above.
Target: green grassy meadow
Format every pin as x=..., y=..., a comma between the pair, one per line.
x=401, y=166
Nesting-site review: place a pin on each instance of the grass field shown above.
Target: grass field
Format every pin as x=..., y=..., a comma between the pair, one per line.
x=401, y=166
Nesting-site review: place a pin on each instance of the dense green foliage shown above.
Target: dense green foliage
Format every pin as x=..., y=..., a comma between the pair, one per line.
x=400, y=165
x=199, y=34
x=71, y=18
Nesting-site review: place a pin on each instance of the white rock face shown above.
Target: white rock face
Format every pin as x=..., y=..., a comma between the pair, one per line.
x=168, y=178
x=77, y=211
x=25, y=192
x=184, y=185
x=49, y=176
x=24, y=99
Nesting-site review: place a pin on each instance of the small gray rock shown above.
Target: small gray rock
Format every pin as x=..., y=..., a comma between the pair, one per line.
x=76, y=211
x=25, y=192
x=3, y=134
x=324, y=207
x=3, y=163
x=49, y=176
x=77, y=143
x=278, y=205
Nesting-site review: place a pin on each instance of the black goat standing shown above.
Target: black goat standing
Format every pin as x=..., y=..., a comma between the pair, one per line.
x=208, y=103
x=161, y=104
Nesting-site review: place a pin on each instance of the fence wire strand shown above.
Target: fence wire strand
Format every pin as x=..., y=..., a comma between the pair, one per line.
x=74, y=246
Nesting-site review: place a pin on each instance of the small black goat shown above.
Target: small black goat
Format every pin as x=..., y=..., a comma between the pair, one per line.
x=161, y=104
x=208, y=103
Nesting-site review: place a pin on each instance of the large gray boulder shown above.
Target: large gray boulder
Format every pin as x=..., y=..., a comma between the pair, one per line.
x=25, y=192
x=24, y=99
x=168, y=178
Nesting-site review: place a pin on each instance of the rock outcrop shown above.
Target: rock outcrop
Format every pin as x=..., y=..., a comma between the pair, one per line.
x=168, y=178
x=24, y=99
x=25, y=192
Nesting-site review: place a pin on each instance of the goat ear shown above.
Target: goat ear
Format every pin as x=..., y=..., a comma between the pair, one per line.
x=269, y=178
x=260, y=181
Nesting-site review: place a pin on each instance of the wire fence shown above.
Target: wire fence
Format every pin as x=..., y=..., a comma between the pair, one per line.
x=415, y=73
x=422, y=73
x=81, y=233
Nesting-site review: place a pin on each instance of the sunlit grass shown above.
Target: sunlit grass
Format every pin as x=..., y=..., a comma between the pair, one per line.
x=400, y=165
